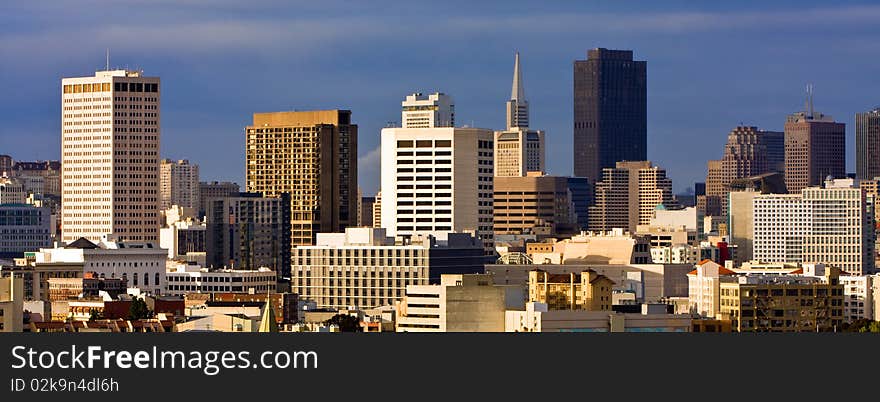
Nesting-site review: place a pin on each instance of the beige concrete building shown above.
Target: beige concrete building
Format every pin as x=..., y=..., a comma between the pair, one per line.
x=533, y=204
x=110, y=138
x=313, y=156
x=815, y=148
x=181, y=279
x=741, y=221
x=537, y=317
x=628, y=195
x=460, y=303
x=11, y=304
x=427, y=111
x=12, y=191
x=613, y=247
x=178, y=184
x=437, y=180
x=518, y=151
x=587, y=290
x=858, y=297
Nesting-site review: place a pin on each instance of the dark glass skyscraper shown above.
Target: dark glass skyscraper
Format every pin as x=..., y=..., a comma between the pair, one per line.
x=868, y=144
x=610, y=111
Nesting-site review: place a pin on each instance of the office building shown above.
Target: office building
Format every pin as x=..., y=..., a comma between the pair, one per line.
x=24, y=228
x=249, y=232
x=612, y=247
x=587, y=290
x=363, y=268
x=868, y=144
x=377, y=210
x=366, y=214
x=533, y=204
x=518, y=149
x=184, y=238
x=6, y=163
x=11, y=304
x=420, y=169
x=178, y=184
x=581, y=197
x=427, y=111
x=12, y=191
x=610, y=111
x=748, y=152
x=183, y=278
x=628, y=195
x=741, y=223
x=460, y=303
x=141, y=265
x=215, y=189
x=44, y=176
x=312, y=155
x=830, y=225
x=110, y=156
x=815, y=148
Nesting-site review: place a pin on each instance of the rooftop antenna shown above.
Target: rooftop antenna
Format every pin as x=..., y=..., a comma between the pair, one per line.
x=107, y=66
x=809, y=105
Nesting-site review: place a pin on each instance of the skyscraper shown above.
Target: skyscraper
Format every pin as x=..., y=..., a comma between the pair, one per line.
x=868, y=144
x=437, y=180
x=178, y=184
x=628, y=195
x=518, y=150
x=313, y=156
x=110, y=156
x=815, y=148
x=426, y=111
x=610, y=111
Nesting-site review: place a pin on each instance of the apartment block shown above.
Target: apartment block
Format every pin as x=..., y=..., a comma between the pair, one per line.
x=178, y=184
x=628, y=195
x=587, y=290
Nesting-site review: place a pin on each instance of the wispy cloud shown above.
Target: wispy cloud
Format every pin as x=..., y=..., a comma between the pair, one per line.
x=368, y=170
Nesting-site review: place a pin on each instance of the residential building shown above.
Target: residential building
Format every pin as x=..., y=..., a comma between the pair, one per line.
x=628, y=195
x=858, y=297
x=831, y=225
x=460, y=303
x=248, y=232
x=420, y=169
x=142, y=265
x=538, y=317
x=24, y=228
x=6, y=163
x=215, y=189
x=427, y=111
x=533, y=204
x=312, y=155
x=612, y=247
x=12, y=191
x=178, y=184
x=610, y=111
x=45, y=176
x=815, y=148
x=587, y=290
x=184, y=278
x=868, y=144
x=11, y=302
x=110, y=156
x=88, y=286
x=363, y=268
x=184, y=237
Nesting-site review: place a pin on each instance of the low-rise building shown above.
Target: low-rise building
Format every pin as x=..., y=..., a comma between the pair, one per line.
x=460, y=303
x=11, y=304
x=24, y=228
x=183, y=278
x=587, y=290
x=538, y=317
x=613, y=247
x=858, y=297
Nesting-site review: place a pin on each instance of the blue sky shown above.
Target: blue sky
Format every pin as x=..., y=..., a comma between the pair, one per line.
x=710, y=67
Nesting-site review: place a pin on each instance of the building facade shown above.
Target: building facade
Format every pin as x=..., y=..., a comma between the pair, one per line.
x=214, y=189
x=533, y=204
x=610, y=111
x=868, y=144
x=518, y=149
x=178, y=184
x=815, y=148
x=24, y=228
x=110, y=156
x=46, y=174
x=587, y=290
x=313, y=156
x=437, y=180
x=748, y=152
x=427, y=111
x=11, y=304
x=183, y=279
x=249, y=232
x=628, y=195
x=12, y=191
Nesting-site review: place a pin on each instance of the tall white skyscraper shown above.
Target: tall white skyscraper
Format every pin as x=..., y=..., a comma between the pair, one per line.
x=518, y=149
x=427, y=111
x=833, y=225
x=178, y=184
x=437, y=180
x=110, y=156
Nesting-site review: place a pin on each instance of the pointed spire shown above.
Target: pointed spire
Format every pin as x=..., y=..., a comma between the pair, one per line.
x=517, y=93
x=267, y=321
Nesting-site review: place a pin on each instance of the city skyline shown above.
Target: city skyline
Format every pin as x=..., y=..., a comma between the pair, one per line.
x=741, y=65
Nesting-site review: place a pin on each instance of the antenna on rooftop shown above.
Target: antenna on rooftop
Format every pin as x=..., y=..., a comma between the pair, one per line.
x=107, y=66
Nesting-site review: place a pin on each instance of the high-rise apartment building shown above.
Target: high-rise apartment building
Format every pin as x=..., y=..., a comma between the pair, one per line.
x=610, y=111
x=249, y=232
x=178, y=184
x=214, y=189
x=868, y=144
x=628, y=195
x=533, y=204
x=313, y=156
x=815, y=148
x=437, y=180
x=427, y=111
x=110, y=156
x=831, y=225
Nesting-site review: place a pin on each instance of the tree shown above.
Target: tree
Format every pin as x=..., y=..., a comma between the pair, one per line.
x=139, y=310
x=94, y=315
x=345, y=322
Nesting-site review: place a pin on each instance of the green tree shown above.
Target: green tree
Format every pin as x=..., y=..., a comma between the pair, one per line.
x=345, y=322
x=139, y=310
x=94, y=315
